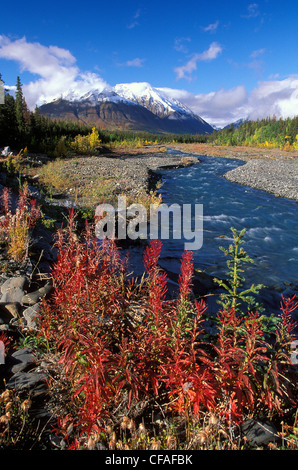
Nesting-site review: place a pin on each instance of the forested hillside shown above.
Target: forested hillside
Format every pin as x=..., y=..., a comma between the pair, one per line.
x=269, y=132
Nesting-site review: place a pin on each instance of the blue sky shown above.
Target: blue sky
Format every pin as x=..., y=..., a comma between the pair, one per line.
x=224, y=59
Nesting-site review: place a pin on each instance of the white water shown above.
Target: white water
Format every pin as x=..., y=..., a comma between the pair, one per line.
x=271, y=224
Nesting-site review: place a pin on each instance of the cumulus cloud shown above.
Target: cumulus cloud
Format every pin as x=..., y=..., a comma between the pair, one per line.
x=275, y=97
x=221, y=107
x=186, y=70
x=218, y=108
x=55, y=66
x=57, y=73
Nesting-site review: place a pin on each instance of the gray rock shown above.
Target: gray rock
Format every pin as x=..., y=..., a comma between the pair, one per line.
x=2, y=353
x=31, y=314
x=28, y=381
x=14, y=295
x=33, y=297
x=13, y=289
x=259, y=433
x=12, y=283
x=21, y=360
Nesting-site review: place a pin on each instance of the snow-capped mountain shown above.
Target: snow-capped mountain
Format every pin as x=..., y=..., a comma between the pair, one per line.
x=151, y=98
x=135, y=106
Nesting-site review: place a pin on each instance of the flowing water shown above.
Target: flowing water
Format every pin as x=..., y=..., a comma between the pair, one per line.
x=271, y=226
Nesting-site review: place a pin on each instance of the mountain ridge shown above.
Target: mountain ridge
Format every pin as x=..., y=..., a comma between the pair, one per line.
x=137, y=106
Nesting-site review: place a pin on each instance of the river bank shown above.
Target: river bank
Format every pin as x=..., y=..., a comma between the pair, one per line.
x=271, y=170
x=85, y=181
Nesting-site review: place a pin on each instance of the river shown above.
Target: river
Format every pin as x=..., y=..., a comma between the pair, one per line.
x=271, y=225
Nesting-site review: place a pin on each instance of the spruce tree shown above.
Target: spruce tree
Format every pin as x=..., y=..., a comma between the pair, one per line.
x=21, y=109
x=8, y=127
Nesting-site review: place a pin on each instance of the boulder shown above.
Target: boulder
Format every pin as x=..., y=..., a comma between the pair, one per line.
x=13, y=290
x=21, y=360
x=30, y=314
x=33, y=297
x=36, y=382
x=259, y=433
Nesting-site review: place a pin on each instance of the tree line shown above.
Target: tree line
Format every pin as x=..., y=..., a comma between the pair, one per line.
x=267, y=132
x=21, y=128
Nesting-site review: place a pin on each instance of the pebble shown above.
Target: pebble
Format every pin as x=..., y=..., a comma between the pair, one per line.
x=130, y=174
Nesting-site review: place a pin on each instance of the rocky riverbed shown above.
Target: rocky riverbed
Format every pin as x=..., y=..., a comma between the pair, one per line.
x=274, y=176
x=271, y=170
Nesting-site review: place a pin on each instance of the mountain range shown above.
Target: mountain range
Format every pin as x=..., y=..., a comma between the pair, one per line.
x=127, y=106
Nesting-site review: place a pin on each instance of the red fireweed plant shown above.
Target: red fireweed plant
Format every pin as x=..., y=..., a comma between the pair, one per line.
x=122, y=344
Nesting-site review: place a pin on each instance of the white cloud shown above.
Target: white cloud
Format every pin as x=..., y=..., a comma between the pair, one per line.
x=257, y=53
x=279, y=97
x=134, y=21
x=221, y=107
x=211, y=53
x=57, y=73
x=137, y=62
x=252, y=11
x=211, y=28
x=186, y=70
x=55, y=66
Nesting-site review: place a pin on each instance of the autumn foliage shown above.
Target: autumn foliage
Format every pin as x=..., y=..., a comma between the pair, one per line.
x=125, y=347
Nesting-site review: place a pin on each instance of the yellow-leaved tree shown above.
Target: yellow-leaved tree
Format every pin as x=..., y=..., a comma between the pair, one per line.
x=93, y=138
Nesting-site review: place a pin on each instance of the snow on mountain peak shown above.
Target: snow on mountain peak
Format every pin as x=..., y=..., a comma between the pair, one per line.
x=152, y=98
x=156, y=100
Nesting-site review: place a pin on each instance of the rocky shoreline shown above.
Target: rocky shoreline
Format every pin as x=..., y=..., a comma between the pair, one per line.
x=271, y=170
x=277, y=177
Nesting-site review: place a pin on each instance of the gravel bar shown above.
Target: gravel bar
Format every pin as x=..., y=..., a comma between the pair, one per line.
x=131, y=175
x=274, y=176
